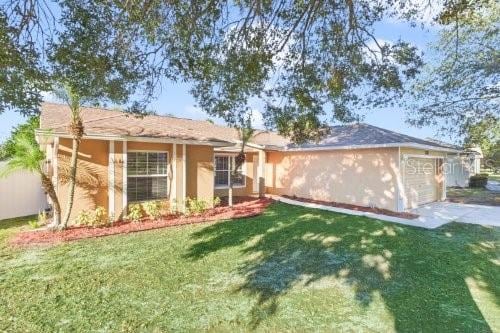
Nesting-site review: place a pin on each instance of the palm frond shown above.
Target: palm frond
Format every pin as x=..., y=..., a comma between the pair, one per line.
x=27, y=156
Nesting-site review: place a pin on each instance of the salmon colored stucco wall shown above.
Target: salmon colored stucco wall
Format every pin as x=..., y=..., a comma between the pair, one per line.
x=92, y=175
x=249, y=176
x=361, y=177
x=200, y=172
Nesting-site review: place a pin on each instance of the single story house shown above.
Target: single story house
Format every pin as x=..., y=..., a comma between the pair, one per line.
x=124, y=159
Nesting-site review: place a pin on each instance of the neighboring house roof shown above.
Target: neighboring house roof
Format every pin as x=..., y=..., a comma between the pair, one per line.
x=366, y=136
x=100, y=122
x=475, y=150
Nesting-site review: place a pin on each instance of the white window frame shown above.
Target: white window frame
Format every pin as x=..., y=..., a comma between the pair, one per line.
x=231, y=160
x=150, y=176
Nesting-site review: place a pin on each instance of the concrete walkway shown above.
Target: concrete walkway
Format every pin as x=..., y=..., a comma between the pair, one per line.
x=431, y=216
x=464, y=213
x=493, y=185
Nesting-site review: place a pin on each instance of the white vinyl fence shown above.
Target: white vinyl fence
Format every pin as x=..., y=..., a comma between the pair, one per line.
x=21, y=194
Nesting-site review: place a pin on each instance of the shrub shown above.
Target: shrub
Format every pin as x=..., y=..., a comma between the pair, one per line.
x=95, y=218
x=34, y=224
x=100, y=216
x=135, y=212
x=195, y=206
x=217, y=201
x=153, y=209
x=479, y=180
x=42, y=218
x=83, y=218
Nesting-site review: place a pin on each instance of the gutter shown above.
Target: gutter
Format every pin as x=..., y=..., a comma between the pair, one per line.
x=369, y=146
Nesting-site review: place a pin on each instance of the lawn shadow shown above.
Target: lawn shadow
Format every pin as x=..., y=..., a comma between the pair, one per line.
x=420, y=274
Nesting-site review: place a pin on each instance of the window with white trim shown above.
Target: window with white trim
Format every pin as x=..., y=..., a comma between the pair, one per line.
x=223, y=167
x=146, y=176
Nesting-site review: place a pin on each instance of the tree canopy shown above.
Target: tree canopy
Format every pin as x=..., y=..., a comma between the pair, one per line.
x=461, y=88
x=309, y=62
x=26, y=131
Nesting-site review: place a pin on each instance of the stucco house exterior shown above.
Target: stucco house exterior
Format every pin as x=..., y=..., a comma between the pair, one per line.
x=125, y=159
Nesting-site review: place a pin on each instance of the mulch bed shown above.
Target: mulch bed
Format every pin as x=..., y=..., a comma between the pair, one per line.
x=387, y=212
x=243, y=208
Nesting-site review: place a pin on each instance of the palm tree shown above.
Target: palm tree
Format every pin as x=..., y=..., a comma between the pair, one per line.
x=245, y=133
x=28, y=156
x=76, y=128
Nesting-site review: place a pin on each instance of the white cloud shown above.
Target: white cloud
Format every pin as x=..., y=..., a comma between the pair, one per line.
x=196, y=113
x=372, y=49
x=257, y=119
x=49, y=96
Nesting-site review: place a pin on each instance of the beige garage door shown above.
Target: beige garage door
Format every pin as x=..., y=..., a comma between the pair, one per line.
x=420, y=182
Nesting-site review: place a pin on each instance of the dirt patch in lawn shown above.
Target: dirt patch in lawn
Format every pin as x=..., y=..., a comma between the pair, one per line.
x=381, y=211
x=247, y=207
x=471, y=195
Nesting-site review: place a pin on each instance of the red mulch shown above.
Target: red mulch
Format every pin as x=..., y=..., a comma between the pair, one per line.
x=403, y=215
x=244, y=208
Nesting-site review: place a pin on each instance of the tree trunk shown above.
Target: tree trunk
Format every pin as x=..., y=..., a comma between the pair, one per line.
x=49, y=188
x=72, y=181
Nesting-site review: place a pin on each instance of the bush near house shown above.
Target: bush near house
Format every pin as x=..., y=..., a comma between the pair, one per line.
x=93, y=218
x=479, y=180
x=153, y=209
x=135, y=213
x=195, y=206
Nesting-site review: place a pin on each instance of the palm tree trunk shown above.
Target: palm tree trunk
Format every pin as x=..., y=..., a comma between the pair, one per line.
x=49, y=188
x=72, y=181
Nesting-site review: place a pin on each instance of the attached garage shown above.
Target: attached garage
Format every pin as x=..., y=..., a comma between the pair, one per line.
x=361, y=165
x=421, y=179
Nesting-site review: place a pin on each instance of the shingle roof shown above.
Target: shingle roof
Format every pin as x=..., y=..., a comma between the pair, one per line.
x=364, y=135
x=98, y=121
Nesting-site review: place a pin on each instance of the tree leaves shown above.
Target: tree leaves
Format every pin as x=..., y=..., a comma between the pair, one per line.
x=462, y=88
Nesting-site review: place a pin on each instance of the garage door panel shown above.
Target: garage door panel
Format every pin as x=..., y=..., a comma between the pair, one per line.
x=420, y=181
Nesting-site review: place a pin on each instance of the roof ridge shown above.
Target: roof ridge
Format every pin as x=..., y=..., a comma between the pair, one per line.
x=107, y=109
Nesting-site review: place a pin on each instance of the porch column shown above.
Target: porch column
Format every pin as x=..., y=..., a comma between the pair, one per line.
x=261, y=172
x=442, y=172
x=173, y=188
x=55, y=159
x=111, y=179
x=184, y=180
x=124, y=181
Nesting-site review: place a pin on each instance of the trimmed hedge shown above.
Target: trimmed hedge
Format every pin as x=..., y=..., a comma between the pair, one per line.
x=479, y=180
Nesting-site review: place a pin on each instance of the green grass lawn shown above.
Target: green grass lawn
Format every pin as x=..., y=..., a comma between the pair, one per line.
x=494, y=177
x=291, y=269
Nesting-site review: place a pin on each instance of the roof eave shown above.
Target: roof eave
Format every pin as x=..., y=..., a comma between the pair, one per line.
x=372, y=146
x=213, y=143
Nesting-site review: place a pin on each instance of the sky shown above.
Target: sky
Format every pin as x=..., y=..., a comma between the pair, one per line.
x=175, y=99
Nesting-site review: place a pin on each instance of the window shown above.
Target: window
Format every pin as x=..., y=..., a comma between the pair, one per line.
x=223, y=167
x=146, y=176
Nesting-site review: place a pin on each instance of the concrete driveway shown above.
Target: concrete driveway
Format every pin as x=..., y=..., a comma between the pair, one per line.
x=436, y=214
